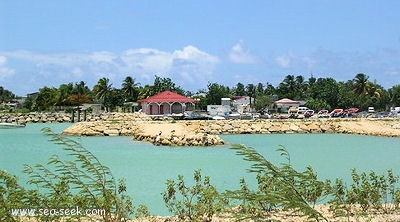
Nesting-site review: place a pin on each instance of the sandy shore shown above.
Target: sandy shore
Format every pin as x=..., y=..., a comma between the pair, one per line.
x=283, y=216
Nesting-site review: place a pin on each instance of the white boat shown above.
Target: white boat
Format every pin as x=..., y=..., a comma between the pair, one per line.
x=218, y=118
x=11, y=125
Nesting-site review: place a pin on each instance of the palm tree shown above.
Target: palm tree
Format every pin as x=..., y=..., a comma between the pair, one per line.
x=373, y=90
x=251, y=91
x=129, y=88
x=287, y=88
x=360, y=84
x=102, y=88
x=82, y=92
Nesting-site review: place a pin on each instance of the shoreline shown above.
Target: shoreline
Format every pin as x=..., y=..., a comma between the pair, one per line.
x=206, y=132
x=163, y=130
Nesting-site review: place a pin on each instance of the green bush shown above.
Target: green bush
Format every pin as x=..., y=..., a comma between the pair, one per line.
x=366, y=192
x=279, y=187
x=197, y=203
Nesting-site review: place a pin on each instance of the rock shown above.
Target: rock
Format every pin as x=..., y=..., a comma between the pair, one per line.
x=293, y=127
x=313, y=127
x=227, y=128
x=111, y=132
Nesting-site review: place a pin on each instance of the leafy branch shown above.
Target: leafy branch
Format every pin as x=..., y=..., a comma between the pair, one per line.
x=279, y=187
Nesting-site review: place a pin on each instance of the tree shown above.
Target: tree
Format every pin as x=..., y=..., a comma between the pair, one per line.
x=130, y=89
x=262, y=102
x=46, y=99
x=394, y=95
x=347, y=97
x=269, y=90
x=113, y=99
x=301, y=87
x=102, y=89
x=287, y=88
x=64, y=93
x=324, y=90
x=162, y=84
x=216, y=92
x=260, y=89
x=360, y=82
x=145, y=92
x=239, y=90
x=81, y=94
x=251, y=92
x=5, y=95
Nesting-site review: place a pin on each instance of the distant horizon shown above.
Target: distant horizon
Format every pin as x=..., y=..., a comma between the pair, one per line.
x=47, y=43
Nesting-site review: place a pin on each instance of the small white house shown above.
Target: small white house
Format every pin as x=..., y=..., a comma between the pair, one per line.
x=283, y=105
x=242, y=104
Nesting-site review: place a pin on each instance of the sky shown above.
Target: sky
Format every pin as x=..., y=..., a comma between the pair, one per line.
x=52, y=42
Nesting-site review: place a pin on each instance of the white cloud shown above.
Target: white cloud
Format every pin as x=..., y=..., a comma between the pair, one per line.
x=4, y=70
x=290, y=59
x=239, y=54
x=194, y=54
x=189, y=64
x=146, y=62
x=284, y=61
x=309, y=61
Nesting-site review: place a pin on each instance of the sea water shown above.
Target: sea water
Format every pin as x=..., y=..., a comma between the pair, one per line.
x=146, y=167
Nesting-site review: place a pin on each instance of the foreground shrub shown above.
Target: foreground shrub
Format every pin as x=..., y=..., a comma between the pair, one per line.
x=79, y=181
x=367, y=192
x=193, y=203
x=279, y=187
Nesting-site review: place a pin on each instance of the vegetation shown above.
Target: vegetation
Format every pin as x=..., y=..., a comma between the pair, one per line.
x=319, y=93
x=81, y=181
x=197, y=203
x=282, y=188
x=367, y=192
x=5, y=95
x=279, y=188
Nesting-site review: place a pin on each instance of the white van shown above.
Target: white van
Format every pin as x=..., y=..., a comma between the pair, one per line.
x=302, y=110
x=371, y=109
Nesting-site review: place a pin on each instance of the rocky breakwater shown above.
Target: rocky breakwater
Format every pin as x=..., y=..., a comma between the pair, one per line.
x=35, y=117
x=205, y=133
x=373, y=127
x=156, y=132
x=56, y=117
x=174, y=134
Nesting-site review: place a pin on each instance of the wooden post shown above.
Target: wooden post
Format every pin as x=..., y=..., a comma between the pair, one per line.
x=84, y=115
x=79, y=114
x=73, y=115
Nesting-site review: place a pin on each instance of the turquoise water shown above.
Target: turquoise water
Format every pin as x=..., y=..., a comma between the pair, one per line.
x=146, y=167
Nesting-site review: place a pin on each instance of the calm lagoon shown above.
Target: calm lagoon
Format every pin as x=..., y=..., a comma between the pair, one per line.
x=146, y=167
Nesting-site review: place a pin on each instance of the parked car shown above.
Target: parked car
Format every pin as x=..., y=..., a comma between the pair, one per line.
x=309, y=113
x=337, y=113
x=323, y=113
x=292, y=110
x=352, y=110
x=382, y=114
x=302, y=110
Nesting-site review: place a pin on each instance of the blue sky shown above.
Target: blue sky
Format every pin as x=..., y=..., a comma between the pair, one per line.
x=50, y=42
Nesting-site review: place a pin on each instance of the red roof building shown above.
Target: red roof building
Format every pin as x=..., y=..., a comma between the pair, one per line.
x=167, y=102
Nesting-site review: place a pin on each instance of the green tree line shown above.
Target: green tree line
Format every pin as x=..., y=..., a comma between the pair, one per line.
x=319, y=93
